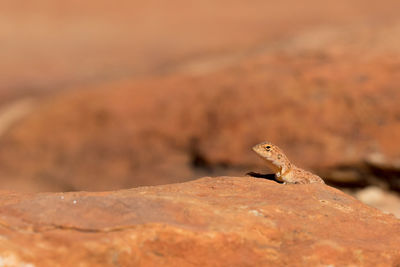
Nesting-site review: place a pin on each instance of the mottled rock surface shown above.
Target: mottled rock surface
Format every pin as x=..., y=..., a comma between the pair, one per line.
x=225, y=221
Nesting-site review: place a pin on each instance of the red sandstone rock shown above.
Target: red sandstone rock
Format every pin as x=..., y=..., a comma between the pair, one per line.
x=223, y=221
x=58, y=43
x=322, y=102
x=321, y=96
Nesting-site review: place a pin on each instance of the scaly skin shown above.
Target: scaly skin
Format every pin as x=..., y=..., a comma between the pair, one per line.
x=284, y=170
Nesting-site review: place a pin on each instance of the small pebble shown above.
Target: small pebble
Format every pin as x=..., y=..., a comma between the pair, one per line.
x=255, y=212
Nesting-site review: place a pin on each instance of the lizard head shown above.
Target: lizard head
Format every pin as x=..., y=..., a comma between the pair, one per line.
x=266, y=150
x=272, y=154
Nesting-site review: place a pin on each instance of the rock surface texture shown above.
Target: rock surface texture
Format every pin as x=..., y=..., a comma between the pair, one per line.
x=225, y=221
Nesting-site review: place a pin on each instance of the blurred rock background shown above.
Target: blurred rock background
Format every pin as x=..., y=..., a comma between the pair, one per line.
x=97, y=95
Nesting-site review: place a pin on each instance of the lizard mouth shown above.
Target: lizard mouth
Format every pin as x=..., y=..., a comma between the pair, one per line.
x=256, y=148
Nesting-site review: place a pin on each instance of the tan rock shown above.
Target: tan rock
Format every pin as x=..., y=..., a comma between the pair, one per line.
x=225, y=221
x=386, y=201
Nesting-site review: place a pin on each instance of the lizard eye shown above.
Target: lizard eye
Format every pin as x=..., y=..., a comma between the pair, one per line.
x=268, y=148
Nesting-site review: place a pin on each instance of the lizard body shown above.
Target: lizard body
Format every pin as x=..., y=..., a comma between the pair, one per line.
x=284, y=170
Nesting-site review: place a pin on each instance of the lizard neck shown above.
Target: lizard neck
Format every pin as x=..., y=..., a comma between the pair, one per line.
x=280, y=167
x=273, y=166
x=284, y=170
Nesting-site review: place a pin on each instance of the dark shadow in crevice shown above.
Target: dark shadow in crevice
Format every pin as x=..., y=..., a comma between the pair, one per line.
x=197, y=160
x=269, y=176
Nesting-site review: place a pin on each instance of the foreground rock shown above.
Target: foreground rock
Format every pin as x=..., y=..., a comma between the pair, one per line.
x=215, y=221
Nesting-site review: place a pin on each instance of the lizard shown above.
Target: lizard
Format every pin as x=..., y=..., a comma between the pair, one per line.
x=284, y=170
